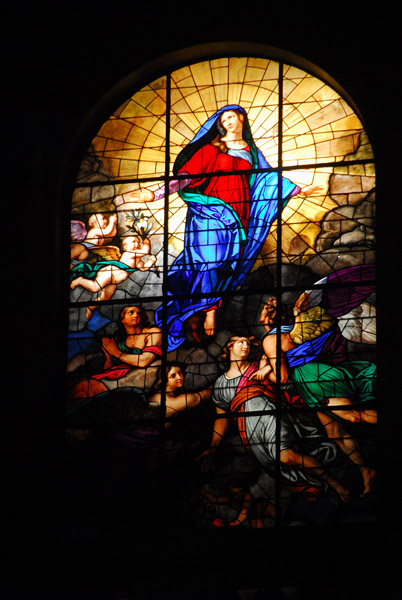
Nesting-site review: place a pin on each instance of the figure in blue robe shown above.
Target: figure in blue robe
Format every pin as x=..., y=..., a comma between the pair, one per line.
x=231, y=208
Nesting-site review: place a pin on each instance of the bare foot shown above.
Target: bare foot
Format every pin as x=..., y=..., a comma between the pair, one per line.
x=369, y=476
x=369, y=416
x=194, y=323
x=342, y=491
x=75, y=283
x=209, y=323
x=89, y=312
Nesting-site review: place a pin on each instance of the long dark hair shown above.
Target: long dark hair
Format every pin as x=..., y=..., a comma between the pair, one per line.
x=121, y=333
x=254, y=354
x=217, y=140
x=169, y=365
x=212, y=135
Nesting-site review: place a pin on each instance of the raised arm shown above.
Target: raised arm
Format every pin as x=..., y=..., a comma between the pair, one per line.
x=110, y=227
x=270, y=348
x=145, y=196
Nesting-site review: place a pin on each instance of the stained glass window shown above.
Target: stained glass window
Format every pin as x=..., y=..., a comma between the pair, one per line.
x=222, y=297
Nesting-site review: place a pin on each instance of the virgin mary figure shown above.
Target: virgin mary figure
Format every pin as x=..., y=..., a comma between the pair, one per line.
x=232, y=196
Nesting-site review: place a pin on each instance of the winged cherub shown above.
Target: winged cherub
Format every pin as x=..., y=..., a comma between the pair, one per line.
x=104, y=276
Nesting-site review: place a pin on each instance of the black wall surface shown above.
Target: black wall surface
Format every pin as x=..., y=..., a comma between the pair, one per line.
x=60, y=62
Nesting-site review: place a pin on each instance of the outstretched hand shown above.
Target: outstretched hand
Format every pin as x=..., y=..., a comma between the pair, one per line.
x=309, y=190
x=136, y=196
x=141, y=196
x=206, y=460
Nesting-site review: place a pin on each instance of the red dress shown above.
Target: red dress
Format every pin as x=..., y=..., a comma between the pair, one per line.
x=232, y=189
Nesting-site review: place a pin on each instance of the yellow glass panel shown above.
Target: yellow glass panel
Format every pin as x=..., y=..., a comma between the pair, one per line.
x=266, y=96
x=326, y=93
x=304, y=90
x=153, y=155
x=237, y=69
x=208, y=99
x=272, y=71
x=129, y=155
x=145, y=97
x=309, y=108
x=304, y=140
x=368, y=183
x=157, y=106
x=159, y=128
x=220, y=75
x=248, y=94
x=181, y=107
x=254, y=72
x=155, y=141
x=183, y=132
x=267, y=119
x=292, y=72
x=187, y=83
x=219, y=62
x=326, y=114
x=347, y=123
x=288, y=87
x=194, y=101
x=221, y=92
x=292, y=116
x=234, y=94
x=115, y=129
x=176, y=138
x=297, y=129
x=201, y=73
x=128, y=168
x=180, y=75
x=323, y=134
x=145, y=169
x=191, y=121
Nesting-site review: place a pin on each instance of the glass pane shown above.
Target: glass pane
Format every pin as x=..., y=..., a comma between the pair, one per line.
x=132, y=142
x=116, y=250
x=318, y=125
x=191, y=271
x=330, y=224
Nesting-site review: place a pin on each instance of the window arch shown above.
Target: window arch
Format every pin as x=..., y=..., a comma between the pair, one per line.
x=222, y=282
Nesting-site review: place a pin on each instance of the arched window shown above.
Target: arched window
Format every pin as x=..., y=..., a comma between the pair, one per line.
x=222, y=288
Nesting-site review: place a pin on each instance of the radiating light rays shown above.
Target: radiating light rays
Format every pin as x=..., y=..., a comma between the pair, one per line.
x=318, y=127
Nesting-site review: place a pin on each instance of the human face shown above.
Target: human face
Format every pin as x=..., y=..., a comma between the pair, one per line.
x=240, y=349
x=131, y=316
x=174, y=379
x=232, y=122
x=129, y=243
